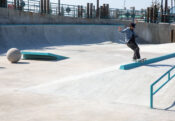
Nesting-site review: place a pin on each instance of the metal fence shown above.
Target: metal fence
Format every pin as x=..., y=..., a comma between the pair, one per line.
x=165, y=18
x=74, y=10
x=127, y=14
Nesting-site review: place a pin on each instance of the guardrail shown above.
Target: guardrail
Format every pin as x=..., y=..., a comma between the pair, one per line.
x=152, y=92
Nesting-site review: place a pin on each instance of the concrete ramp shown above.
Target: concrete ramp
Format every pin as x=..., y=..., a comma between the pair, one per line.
x=38, y=36
x=87, y=86
x=41, y=56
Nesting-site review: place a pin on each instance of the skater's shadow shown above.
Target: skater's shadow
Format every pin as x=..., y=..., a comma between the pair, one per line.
x=159, y=65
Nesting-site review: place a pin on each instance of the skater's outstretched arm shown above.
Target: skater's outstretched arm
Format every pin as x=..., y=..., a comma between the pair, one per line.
x=124, y=30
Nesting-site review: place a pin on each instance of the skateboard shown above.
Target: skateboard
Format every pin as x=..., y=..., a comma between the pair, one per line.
x=141, y=60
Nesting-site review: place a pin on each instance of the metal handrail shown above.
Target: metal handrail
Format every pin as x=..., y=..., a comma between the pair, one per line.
x=152, y=93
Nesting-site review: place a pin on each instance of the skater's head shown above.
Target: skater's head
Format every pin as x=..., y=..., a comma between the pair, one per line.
x=132, y=25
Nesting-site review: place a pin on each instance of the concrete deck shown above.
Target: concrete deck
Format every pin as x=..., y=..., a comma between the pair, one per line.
x=89, y=86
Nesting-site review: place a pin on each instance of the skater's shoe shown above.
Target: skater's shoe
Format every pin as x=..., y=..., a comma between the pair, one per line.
x=141, y=60
x=134, y=60
x=138, y=60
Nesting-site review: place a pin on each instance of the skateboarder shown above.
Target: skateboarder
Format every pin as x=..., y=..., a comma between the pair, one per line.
x=130, y=40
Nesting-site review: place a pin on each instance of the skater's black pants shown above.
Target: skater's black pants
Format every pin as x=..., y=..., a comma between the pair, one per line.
x=135, y=48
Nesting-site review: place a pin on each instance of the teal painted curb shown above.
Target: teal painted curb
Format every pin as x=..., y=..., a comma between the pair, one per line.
x=41, y=56
x=153, y=60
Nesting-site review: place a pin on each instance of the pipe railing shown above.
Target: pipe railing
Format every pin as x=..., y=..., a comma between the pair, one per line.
x=152, y=92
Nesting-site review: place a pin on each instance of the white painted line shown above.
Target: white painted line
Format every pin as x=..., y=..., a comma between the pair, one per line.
x=78, y=77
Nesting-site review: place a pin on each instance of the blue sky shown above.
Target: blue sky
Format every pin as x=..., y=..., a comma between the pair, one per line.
x=113, y=3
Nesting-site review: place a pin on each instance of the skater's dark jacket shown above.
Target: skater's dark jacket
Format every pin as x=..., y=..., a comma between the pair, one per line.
x=130, y=35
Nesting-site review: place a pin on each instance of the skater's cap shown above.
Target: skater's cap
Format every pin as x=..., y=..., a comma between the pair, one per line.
x=132, y=25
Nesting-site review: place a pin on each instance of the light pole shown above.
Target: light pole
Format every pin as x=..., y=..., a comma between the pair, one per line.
x=124, y=4
x=166, y=6
x=58, y=7
x=98, y=10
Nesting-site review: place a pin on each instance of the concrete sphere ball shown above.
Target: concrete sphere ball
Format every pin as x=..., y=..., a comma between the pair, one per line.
x=13, y=55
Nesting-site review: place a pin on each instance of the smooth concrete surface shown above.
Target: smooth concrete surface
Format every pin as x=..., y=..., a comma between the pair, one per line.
x=155, y=33
x=150, y=32
x=38, y=36
x=89, y=86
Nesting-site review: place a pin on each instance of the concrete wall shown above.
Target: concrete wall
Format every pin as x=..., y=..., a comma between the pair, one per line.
x=152, y=33
x=38, y=36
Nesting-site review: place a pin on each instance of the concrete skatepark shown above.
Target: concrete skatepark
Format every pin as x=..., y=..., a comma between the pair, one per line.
x=88, y=86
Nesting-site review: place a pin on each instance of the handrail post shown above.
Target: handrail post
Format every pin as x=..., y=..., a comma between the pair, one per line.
x=151, y=96
x=169, y=76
